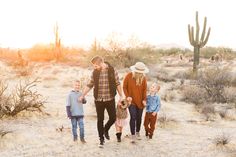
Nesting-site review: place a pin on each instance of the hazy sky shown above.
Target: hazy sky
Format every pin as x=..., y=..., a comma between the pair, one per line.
x=24, y=23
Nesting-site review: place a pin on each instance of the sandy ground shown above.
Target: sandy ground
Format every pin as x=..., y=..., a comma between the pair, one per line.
x=36, y=135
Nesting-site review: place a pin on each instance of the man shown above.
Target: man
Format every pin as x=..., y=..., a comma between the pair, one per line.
x=105, y=81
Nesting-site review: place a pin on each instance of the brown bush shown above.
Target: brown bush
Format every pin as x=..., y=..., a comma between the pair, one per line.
x=23, y=98
x=213, y=81
x=194, y=94
x=229, y=95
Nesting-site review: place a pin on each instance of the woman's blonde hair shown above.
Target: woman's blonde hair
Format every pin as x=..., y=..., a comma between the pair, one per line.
x=138, y=77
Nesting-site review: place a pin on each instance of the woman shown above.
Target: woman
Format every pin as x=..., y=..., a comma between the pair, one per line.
x=135, y=90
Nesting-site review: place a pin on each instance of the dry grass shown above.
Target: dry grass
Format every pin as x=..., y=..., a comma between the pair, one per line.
x=165, y=121
x=222, y=139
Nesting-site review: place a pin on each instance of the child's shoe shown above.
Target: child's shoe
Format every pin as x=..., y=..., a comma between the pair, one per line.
x=150, y=136
x=75, y=138
x=133, y=138
x=138, y=136
x=83, y=140
x=118, y=135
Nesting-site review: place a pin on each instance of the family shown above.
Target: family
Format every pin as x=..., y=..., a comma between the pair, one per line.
x=105, y=83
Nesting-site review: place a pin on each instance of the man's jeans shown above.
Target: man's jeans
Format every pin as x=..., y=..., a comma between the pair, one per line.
x=135, y=118
x=75, y=121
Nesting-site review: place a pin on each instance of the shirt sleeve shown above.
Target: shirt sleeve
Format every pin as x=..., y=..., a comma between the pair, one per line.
x=68, y=102
x=158, y=104
x=91, y=82
x=117, y=78
x=125, y=86
x=68, y=105
x=144, y=89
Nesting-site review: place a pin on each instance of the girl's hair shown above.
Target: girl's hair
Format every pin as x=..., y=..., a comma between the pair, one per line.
x=138, y=77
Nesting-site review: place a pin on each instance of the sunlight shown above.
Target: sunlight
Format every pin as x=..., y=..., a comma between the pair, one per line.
x=27, y=22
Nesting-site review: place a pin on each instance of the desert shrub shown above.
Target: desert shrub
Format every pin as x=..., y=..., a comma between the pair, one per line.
x=164, y=120
x=229, y=95
x=222, y=139
x=23, y=98
x=233, y=80
x=208, y=111
x=194, y=94
x=183, y=75
x=168, y=96
x=214, y=80
x=160, y=74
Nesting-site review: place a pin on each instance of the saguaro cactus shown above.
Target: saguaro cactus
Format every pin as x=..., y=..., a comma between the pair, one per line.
x=197, y=42
x=57, y=43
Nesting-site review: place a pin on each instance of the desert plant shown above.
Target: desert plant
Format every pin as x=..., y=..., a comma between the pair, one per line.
x=222, y=139
x=194, y=95
x=207, y=111
x=23, y=98
x=229, y=95
x=213, y=81
x=164, y=120
x=197, y=42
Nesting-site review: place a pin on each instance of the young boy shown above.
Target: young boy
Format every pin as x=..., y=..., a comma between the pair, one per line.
x=75, y=111
x=152, y=107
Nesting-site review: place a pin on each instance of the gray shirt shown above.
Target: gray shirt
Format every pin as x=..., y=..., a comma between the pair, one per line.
x=76, y=107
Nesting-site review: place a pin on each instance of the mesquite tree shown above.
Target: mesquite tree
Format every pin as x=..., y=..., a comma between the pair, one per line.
x=198, y=42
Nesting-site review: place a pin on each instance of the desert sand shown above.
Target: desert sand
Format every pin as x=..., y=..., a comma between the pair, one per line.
x=39, y=135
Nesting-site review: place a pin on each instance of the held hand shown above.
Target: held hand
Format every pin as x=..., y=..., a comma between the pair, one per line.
x=154, y=113
x=81, y=98
x=144, y=103
x=129, y=99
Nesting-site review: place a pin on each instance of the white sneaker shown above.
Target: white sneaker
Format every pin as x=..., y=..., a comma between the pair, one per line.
x=138, y=136
x=133, y=138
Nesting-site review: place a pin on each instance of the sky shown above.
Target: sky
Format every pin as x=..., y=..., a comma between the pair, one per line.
x=24, y=23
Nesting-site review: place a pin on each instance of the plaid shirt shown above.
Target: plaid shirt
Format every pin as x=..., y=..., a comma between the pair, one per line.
x=103, y=85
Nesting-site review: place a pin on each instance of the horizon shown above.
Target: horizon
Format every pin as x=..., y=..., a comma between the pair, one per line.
x=26, y=23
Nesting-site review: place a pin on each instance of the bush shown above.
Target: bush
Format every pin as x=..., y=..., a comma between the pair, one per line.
x=222, y=139
x=194, y=94
x=22, y=99
x=213, y=81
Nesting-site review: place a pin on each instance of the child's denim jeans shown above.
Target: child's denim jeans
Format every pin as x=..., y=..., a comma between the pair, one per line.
x=75, y=121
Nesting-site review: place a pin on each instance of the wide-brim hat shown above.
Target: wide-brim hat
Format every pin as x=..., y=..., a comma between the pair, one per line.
x=139, y=67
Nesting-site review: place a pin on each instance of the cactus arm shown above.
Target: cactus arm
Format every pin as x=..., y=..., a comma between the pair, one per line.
x=203, y=31
x=207, y=37
x=190, y=35
x=197, y=30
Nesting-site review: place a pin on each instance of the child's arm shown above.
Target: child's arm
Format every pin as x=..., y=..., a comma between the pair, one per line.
x=68, y=107
x=158, y=104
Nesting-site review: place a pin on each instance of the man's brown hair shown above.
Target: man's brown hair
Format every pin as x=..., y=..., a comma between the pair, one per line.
x=97, y=59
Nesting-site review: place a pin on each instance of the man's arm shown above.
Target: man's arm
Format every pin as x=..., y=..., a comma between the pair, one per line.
x=87, y=88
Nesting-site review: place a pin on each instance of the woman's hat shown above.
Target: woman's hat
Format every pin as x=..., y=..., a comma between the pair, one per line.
x=139, y=67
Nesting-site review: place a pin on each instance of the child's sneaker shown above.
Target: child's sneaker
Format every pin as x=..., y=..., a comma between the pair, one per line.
x=83, y=140
x=150, y=136
x=75, y=138
x=133, y=138
x=138, y=136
